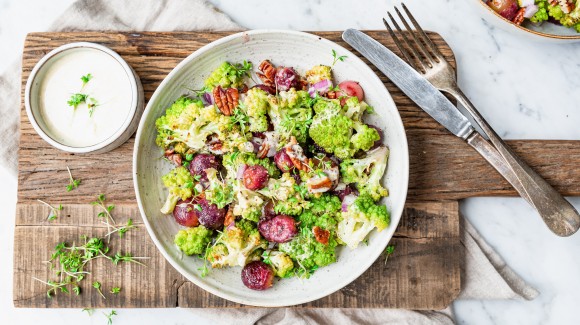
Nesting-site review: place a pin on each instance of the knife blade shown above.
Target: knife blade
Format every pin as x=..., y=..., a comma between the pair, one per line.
x=415, y=86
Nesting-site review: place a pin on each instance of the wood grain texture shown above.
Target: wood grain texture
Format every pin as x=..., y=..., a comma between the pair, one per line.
x=442, y=167
x=423, y=272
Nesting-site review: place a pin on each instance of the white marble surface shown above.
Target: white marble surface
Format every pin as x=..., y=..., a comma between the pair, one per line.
x=525, y=89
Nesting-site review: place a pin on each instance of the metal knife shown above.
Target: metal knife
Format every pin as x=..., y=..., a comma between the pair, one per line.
x=432, y=101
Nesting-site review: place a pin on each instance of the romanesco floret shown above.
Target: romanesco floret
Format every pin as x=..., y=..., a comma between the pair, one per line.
x=331, y=130
x=190, y=123
x=362, y=216
x=572, y=18
x=367, y=172
x=364, y=137
x=193, y=241
x=248, y=203
x=281, y=263
x=256, y=106
x=323, y=212
x=218, y=192
x=180, y=185
x=291, y=115
x=288, y=198
x=309, y=253
x=236, y=245
x=542, y=13
x=318, y=73
x=228, y=75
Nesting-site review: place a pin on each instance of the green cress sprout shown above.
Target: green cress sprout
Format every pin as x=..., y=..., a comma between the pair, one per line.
x=54, y=211
x=73, y=183
x=79, y=98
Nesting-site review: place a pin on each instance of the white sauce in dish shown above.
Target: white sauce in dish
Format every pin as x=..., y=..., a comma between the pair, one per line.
x=110, y=86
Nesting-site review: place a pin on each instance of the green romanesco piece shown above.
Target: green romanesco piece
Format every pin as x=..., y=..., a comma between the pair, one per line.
x=362, y=216
x=179, y=182
x=228, y=75
x=193, y=241
x=256, y=107
x=318, y=73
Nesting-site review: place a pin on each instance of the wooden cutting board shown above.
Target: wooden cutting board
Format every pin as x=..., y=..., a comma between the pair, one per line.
x=423, y=273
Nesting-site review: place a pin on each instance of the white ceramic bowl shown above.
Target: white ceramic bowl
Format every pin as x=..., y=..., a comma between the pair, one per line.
x=301, y=51
x=545, y=32
x=33, y=110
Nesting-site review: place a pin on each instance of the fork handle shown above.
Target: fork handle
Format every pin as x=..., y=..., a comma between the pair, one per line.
x=558, y=214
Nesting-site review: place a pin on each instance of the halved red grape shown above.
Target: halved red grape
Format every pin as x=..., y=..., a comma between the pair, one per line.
x=209, y=214
x=185, y=214
x=283, y=161
x=506, y=8
x=255, y=177
x=257, y=275
x=268, y=211
x=280, y=229
x=286, y=78
x=202, y=162
x=352, y=88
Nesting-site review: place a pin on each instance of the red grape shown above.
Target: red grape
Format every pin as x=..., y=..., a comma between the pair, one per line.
x=209, y=214
x=506, y=8
x=255, y=177
x=283, y=161
x=280, y=229
x=352, y=88
x=185, y=214
x=257, y=275
x=202, y=162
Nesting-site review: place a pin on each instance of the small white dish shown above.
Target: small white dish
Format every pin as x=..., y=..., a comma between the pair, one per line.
x=288, y=48
x=545, y=32
x=114, y=89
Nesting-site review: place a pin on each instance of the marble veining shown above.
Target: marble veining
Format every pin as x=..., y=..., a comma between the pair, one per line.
x=524, y=88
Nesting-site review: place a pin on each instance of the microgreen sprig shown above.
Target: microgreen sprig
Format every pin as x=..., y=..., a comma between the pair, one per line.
x=54, y=211
x=73, y=183
x=97, y=285
x=388, y=252
x=337, y=58
x=106, y=213
x=115, y=290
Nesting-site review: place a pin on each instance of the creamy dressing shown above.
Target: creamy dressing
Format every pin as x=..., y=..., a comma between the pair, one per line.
x=110, y=86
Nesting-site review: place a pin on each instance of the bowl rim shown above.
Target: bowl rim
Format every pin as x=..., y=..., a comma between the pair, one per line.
x=110, y=142
x=395, y=213
x=531, y=31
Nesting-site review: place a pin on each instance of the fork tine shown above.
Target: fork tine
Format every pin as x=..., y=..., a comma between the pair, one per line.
x=423, y=35
x=409, y=45
x=399, y=44
x=424, y=51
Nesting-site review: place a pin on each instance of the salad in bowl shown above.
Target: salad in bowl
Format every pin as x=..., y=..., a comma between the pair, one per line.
x=272, y=170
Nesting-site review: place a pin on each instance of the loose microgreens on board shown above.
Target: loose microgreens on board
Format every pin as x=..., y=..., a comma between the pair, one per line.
x=388, y=252
x=54, y=211
x=115, y=290
x=97, y=285
x=110, y=316
x=106, y=213
x=337, y=58
x=73, y=183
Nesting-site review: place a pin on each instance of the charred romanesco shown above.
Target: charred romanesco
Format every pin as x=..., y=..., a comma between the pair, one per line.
x=309, y=253
x=180, y=185
x=193, y=241
x=188, y=122
x=287, y=196
x=319, y=73
x=228, y=75
x=256, y=108
x=362, y=216
x=280, y=262
x=218, y=192
x=236, y=245
x=367, y=172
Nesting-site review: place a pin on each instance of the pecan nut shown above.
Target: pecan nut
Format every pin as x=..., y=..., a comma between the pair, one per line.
x=173, y=157
x=321, y=235
x=268, y=73
x=519, y=18
x=226, y=100
x=230, y=218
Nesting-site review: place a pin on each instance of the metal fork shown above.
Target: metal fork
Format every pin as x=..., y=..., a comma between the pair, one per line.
x=421, y=53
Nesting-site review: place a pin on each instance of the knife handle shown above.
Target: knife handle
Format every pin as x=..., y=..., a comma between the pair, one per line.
x=558, y=214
